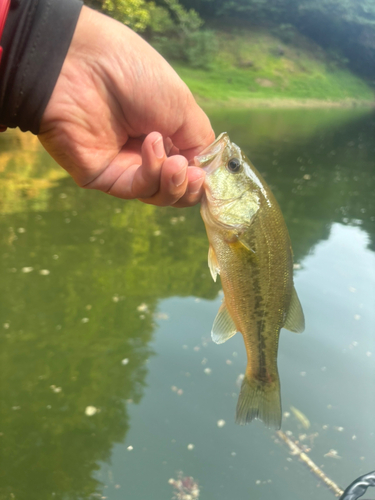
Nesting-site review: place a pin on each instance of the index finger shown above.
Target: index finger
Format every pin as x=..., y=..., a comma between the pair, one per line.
x=195, y=133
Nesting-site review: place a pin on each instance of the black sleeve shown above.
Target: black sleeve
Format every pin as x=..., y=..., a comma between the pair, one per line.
x=35, y=41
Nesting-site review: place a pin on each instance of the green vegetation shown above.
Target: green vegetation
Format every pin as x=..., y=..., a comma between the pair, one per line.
x=346, y=27
x=256, y=64
x=257, y=51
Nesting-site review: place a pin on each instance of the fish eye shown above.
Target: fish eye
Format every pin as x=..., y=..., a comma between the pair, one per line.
x=234, y=165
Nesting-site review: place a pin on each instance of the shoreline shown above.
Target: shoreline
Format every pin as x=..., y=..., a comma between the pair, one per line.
x=285, y=103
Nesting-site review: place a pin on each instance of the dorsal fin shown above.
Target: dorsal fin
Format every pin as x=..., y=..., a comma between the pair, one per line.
x=295, y=320
x=223, y=327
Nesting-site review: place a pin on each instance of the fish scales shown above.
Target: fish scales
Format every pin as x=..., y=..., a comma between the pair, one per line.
x=251, y=250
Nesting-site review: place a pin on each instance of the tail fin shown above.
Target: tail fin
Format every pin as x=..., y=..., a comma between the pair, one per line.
x=259, y=400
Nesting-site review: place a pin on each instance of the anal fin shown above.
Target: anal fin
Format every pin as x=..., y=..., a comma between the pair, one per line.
x=295, y=320
x=223, y=327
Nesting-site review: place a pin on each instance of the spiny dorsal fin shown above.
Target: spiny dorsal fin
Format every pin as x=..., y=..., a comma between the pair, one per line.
x=295, y=320
x=223, y=327
x=213, y=263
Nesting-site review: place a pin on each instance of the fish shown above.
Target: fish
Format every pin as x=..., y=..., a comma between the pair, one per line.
x=250, y=248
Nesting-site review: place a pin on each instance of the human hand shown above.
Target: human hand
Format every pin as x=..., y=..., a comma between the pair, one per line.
x=121, y=120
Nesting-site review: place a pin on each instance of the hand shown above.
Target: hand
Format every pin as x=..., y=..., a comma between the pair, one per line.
x=121, y=120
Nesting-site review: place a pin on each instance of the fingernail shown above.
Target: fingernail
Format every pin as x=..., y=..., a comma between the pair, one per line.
x=194, y=187
x=179, y=178
x=158, y=147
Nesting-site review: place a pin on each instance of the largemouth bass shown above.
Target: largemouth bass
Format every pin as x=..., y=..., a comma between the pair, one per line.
x=250, y=248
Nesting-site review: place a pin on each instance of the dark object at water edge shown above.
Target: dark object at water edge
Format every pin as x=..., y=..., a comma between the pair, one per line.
x=359, y=487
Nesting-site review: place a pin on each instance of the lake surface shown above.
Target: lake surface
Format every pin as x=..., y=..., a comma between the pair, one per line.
x=109, y=383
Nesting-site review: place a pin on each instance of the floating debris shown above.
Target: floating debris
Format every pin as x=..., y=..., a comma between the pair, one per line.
x=301, y=417
x=157, y=232
x=357, y=317
x=130, y=448
x=85, y=320
x=221, y=423
x=27, y=269
x=115, y=298
x=6, y=326
x=368, y=354
x=125, y=361
x=185, y=487
x=44, y=272
x=296, y=266
x=56, y=389
x=161, y=315
x=332, y=454
x=240, y=379
x=204, y=361
x=190, y=447
x=296, y=450
x=90, y=411
x=207, y=371
x=21, y=230
x=228, y=361
x=142, y=308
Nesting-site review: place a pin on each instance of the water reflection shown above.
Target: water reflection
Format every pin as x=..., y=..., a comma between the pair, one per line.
x=82, y=279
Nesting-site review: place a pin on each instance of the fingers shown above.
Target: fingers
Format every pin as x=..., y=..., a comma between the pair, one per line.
x=179, y=185
x=194, y=189
x=196, y=132
x=146, y=180
x=143, y=171
x=173, y=182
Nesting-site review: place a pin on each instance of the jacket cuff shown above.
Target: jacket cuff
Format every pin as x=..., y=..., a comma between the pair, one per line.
x=35, y=41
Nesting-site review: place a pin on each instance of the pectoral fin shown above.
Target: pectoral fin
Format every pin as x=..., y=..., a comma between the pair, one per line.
x=295, y=320
x=213, y=263
x=245, y=243
x=223, y=327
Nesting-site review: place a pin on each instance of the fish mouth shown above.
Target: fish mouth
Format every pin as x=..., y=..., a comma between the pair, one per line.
x=205, y=159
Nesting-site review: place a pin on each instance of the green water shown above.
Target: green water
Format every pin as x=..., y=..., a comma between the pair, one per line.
x=106, y=308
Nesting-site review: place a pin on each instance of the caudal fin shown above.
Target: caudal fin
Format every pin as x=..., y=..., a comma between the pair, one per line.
x=259, y=400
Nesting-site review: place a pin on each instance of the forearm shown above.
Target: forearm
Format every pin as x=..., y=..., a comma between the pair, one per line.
x=35, y=41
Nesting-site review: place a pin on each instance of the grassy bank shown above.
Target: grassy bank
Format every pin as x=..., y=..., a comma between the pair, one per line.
x=257, y=68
